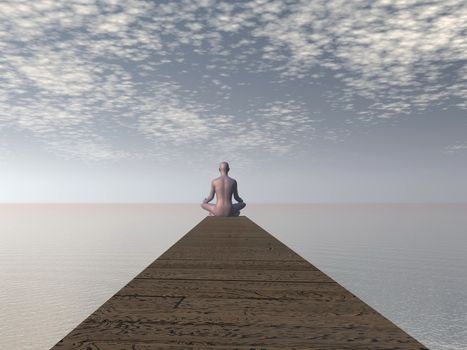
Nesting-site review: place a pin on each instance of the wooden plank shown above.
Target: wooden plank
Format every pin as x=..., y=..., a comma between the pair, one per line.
x=236, y=274
x=293, y=265
x=228, y=284
x=226, y=253
x=265, y=312
x=159, y=345
x=230, y=334
x=227, y=289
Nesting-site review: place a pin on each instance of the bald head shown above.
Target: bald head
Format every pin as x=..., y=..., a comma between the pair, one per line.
x=224, y=167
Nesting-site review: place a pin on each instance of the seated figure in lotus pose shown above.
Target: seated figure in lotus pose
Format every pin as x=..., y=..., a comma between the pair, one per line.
x=224, y=187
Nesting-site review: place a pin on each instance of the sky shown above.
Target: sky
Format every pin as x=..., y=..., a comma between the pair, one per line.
x=309, y=101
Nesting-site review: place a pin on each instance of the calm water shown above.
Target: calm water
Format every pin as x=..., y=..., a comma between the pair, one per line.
x=58, y=263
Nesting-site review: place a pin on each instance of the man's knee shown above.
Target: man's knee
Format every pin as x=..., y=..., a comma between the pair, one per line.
x=237, y=207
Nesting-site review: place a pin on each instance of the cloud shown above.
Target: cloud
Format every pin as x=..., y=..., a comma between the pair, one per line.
x=81, y=75
x=456, y=148
x=400, y=55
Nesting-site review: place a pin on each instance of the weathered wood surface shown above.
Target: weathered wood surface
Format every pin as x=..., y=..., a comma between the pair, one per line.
x=228, y=284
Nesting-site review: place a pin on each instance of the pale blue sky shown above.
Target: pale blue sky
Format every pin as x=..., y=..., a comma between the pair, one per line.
x=310, y=101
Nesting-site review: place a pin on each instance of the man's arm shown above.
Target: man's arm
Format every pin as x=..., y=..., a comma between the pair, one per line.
x=235, y=193
x=211, y=195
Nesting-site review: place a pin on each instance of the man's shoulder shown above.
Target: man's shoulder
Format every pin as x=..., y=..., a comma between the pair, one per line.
x=218, y=179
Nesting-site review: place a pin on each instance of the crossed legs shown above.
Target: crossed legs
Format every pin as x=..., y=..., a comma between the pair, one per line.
x=235, y=210
x=211, y=208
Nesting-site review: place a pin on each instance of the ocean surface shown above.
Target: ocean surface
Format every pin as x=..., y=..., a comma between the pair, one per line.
x=60, y=262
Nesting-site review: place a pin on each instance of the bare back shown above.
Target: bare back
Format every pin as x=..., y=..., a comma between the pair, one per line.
x=224, y=187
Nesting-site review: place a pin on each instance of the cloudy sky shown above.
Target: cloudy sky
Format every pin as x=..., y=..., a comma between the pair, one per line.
x=309, y=101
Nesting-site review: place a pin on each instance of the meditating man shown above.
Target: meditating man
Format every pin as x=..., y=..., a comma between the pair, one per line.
x=224, y=187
